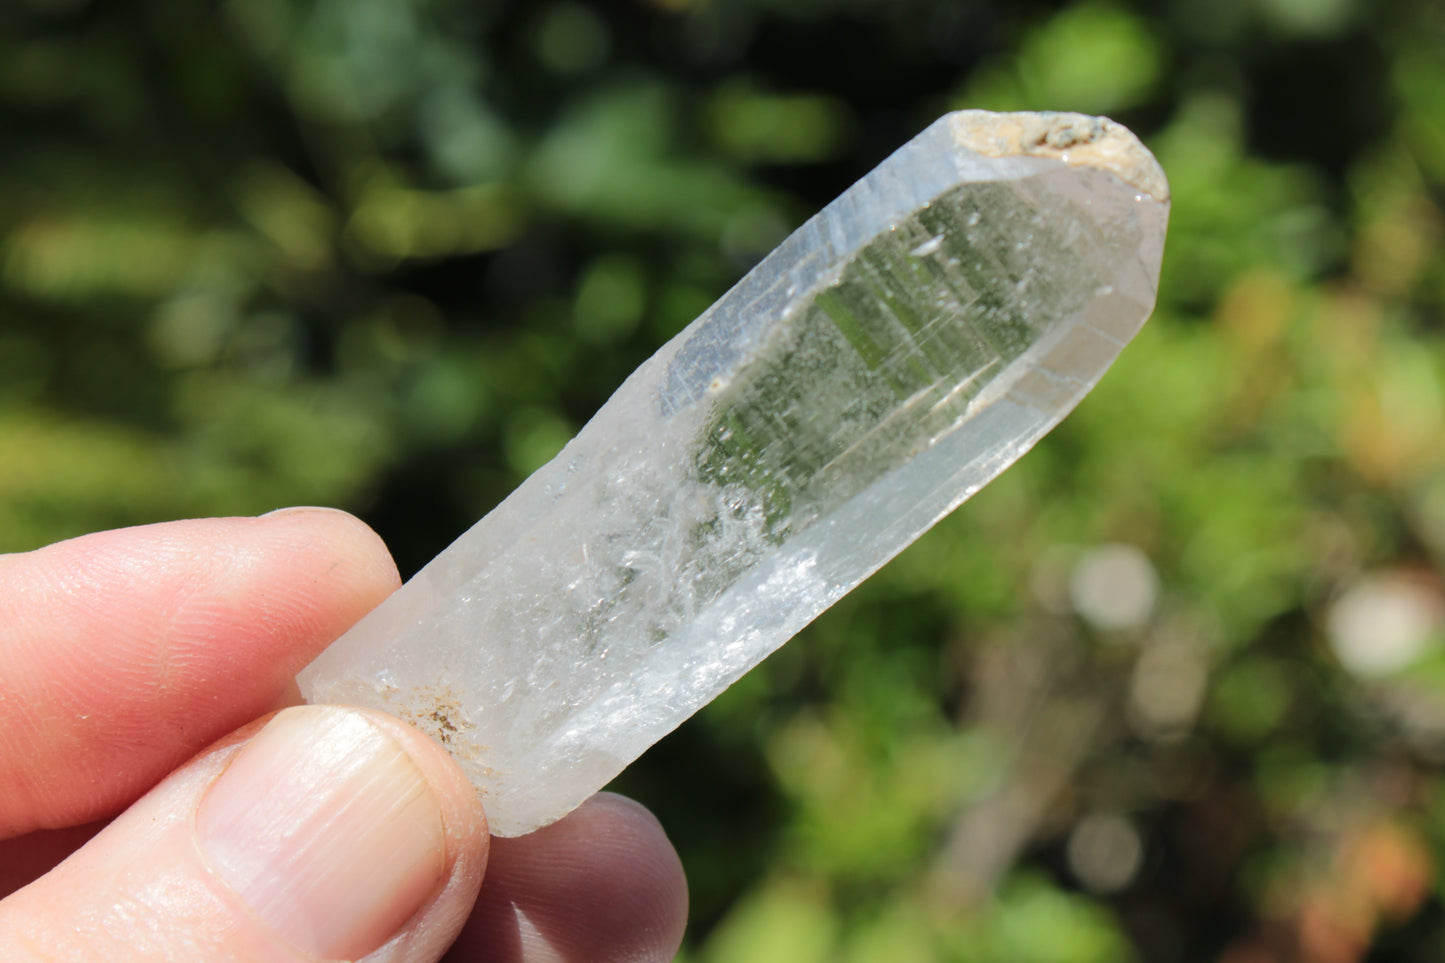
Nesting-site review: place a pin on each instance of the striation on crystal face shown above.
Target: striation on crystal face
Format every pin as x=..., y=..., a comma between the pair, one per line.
x=890, y=358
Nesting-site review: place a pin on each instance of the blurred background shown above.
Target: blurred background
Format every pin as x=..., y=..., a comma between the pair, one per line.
x=1172, y=689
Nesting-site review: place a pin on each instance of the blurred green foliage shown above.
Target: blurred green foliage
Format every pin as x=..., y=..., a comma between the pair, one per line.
x=1171, y=689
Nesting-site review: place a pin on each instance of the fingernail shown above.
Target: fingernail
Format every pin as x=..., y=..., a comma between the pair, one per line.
x=327, y=830
x=304, y=510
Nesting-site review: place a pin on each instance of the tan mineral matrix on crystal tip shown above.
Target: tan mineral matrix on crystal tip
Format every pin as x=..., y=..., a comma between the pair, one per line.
x=891, y=357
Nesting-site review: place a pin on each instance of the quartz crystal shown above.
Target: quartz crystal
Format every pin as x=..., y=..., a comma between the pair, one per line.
x=891, y=357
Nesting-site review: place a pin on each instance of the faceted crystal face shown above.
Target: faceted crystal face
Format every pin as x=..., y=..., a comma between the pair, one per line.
x=883, y=364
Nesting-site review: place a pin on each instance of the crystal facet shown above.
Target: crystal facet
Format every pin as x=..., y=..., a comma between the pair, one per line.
x=891, y=357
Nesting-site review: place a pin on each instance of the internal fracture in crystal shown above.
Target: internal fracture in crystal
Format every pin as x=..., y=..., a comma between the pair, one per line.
x=891, y=357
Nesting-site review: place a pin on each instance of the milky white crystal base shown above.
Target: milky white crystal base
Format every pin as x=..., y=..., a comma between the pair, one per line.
x=883, y=364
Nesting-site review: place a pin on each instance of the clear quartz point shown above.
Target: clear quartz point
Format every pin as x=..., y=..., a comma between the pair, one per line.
x=890, y=358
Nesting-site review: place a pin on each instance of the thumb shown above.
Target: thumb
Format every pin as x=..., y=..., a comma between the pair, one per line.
x=329, y=833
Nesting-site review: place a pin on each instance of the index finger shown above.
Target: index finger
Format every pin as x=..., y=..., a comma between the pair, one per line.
x=125, y=652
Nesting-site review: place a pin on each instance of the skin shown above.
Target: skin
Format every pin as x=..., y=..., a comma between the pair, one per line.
x=136, y=668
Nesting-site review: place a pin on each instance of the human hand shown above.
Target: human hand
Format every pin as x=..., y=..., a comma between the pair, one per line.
x=139, y=673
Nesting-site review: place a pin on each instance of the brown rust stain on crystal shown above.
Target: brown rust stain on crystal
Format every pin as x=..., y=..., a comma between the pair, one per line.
x=437, y=711
x=1075, y=139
